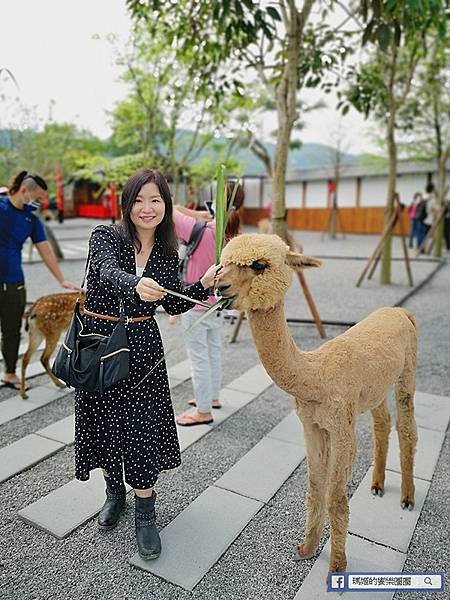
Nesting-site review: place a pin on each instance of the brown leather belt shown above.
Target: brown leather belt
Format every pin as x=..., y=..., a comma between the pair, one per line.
x=115, y=319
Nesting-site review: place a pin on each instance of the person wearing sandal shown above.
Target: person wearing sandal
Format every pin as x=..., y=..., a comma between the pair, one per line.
x=204, y=344
x=18, y=223
x=129, y=431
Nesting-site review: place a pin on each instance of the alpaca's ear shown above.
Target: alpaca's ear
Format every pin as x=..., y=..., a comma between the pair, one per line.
x=301, y=261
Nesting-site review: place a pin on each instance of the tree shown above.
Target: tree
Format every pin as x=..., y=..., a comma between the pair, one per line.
x=336, y=152
x=166, y=115
x=226, y=44
x=381, y=86
x=426, y=119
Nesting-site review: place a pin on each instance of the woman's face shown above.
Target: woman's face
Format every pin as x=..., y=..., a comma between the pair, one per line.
x=149, y=208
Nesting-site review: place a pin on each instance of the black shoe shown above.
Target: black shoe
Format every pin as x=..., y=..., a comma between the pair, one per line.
x=114, y=505
x=147, y=536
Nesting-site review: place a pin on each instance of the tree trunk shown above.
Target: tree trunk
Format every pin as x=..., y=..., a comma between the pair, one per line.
x=439, y=233
x=385, y=273
x=286, y=100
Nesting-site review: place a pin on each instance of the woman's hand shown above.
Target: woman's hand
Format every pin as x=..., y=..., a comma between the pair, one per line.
x=211, y=276
x=148, y=290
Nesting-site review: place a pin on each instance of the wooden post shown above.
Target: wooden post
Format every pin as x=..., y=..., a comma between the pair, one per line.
x=378, y=248
x=295, y=247
x=405, y=248
x=237, y=327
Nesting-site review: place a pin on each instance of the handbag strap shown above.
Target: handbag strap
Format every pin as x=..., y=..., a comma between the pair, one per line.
x=86, y=273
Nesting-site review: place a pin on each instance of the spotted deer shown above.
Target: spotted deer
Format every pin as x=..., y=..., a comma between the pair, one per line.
x=46, y=319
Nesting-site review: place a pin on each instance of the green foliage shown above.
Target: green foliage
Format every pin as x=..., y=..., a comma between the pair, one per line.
x=402, y=21
x=54, y=146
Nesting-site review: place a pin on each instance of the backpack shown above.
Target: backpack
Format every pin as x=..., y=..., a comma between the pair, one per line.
x=421, y=210
x=186, y=250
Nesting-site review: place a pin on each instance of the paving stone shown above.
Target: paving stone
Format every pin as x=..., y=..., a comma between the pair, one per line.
x=232, y=401
x=181, y=371
x=44, y=394
x=429, y=446
x=12, y=408
x=198, y=536
x=68, y=507
x=289, y=430
x=382, y=520
x=62, y=431
x=362, y=556
x=263, y=470
x=253, y=381
x=432, y=412
x=25, y=453
x=189, y=435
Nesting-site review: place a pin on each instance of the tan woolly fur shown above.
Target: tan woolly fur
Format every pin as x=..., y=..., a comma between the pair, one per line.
x=331, y=385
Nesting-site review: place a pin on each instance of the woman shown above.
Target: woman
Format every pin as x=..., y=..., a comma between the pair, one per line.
x=131, y=429
x=18, y=223
x=413, y=218
x=204, y=343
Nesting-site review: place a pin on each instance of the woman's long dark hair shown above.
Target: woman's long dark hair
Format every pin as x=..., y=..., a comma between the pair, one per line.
x=165, y=231
x=233, y=226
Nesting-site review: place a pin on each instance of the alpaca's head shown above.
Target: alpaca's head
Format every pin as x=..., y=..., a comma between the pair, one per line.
x=257, y=270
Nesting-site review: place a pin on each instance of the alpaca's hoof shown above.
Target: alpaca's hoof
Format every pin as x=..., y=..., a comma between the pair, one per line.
x=303, y=552
x=377, y=490
x=24, y=395
x=338, y=565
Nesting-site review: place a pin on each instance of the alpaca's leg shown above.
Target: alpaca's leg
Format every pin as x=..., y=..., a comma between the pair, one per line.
x=406, y=430
x=381, y=426
x=318, y=451
x=343, y=450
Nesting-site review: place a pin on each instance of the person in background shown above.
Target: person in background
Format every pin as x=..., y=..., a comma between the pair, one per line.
x=18, y=223
x=426, y=213
x=414, y=222
x=204, y=343
x=447, y=226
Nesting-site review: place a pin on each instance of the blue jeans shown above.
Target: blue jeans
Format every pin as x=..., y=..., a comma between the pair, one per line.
x=414, y=233
x=204, y=346
x=423, y=230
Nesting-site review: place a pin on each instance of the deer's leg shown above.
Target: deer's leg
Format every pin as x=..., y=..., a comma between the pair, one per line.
x=34, y=339
x=318, y=453
x=381, y=426
x=50, y=344
x=343, y=450
x=406, y=430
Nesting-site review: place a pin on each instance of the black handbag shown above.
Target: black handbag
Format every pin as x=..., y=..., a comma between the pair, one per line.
x=90, y=361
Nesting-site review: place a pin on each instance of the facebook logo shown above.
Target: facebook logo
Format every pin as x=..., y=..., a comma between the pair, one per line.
x=336, y=582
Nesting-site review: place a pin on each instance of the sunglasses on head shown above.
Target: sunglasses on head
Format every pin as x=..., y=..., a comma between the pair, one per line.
x=37, y=180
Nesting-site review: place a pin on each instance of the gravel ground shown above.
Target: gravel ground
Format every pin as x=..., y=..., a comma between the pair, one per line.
x=259, y=564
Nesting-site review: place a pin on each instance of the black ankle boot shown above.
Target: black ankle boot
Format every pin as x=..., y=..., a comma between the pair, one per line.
x=147, y=536
x=114, y=505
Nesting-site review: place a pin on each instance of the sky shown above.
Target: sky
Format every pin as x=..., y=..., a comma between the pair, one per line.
x=52, y=50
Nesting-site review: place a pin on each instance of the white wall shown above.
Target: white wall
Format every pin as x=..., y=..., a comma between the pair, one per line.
x=347, y=192
x=251, y=187
x=316, y=194
x=408, y=185
x=373, y=191
x=294, y=194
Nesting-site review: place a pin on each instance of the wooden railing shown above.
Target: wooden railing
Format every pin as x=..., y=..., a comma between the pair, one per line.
x=352, y=220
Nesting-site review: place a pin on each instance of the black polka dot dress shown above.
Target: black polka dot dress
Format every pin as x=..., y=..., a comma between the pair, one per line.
x=127, y=431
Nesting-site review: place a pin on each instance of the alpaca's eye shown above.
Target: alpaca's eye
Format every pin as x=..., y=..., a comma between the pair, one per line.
x=258, y=266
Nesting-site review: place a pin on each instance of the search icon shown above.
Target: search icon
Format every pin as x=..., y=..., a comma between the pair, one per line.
x=428, y=581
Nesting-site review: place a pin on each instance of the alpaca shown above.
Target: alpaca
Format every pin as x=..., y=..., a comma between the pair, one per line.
x=331, y=385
